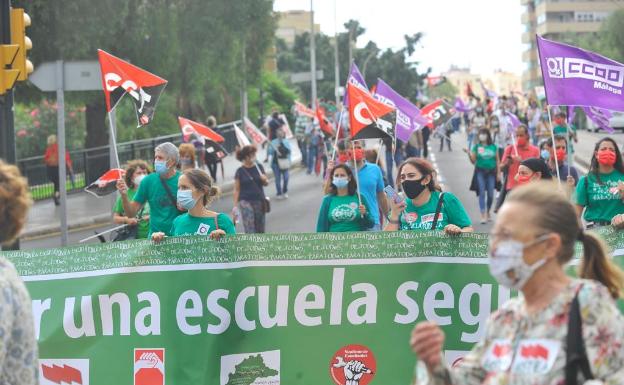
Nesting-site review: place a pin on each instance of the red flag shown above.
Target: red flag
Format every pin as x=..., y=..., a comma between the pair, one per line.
x=120, y=77
x=366, y=115
x=254, y=133
x=106, y=184
x=326, y=126
x=302, y=109
x=437, y=113
x=190, y=127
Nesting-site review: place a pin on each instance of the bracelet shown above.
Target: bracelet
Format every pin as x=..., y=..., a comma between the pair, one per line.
x=394, y=222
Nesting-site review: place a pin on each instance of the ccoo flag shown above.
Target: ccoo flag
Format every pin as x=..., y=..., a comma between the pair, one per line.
x=369, y=118
x=106, y=184
x=120, y=77
x=408, y=118
x=600, y=117
x=190, y=127
x=576, y=77
x=355, y=78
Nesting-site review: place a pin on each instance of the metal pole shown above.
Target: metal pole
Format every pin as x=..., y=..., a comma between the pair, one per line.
x=336, y=63
x=60, y=134
x=244, y=85
x=312, y=53
x=7, y=130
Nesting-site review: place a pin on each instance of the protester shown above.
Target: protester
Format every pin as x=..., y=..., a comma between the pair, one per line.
x=315, y=148
x=274, y=123
x=372, y=157
x=187, y=157
x=158, y=190
x=303, y=127
x=426, y=133
x=210, y=158
x=369, y=177
x=341, y=209
x=543, y=129
x=484, y=156
x=414, y=146
x=477, y=122
x=532, y=242
x=444, y=132
x=601, y=192
x=394, y=156
x=533, y=115
x=137, y=227
x=281, y=157
x=512, y=157
x=494, y=127
x=196, y=191
x=532, y=170
x=567, y=173
x=249, y=199
x=51, y=160
x=19, y=363
x=426, y=206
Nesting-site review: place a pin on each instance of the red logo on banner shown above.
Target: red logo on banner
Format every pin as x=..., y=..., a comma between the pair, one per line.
x=353, y=365
x=149, y=366
x=534, y=351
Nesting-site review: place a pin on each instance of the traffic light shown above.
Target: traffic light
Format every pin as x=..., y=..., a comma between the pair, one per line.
x=8, y=76
x=19, y=21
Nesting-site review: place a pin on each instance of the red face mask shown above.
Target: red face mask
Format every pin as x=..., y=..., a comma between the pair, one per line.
x=359, y=154
x=524, y=179
x=522, y=141
x=343, y=158
x=560, y=154
x=606, y=157
x=559, y=121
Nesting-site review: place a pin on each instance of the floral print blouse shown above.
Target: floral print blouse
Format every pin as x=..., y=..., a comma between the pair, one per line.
x=523, y=349
x=18, y=346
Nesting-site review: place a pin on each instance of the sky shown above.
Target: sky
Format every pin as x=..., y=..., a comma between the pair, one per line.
x=481, y=34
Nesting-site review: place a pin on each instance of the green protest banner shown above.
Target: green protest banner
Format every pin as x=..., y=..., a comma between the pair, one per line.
x=257, y=309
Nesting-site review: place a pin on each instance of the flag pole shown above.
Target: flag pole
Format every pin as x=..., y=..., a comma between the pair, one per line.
x=355, y=172
x=568, y=146
x=102, y=233
x=552, y=136
x=337, y=134
x=113, y=144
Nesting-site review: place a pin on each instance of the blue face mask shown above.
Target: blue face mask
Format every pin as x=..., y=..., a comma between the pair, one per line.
x=160, y=166
x=545, y=154
x=340, y=182
x=185, y=199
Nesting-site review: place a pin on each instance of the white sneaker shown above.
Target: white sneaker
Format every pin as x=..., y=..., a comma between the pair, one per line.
x=285, y=196
x=279, y=197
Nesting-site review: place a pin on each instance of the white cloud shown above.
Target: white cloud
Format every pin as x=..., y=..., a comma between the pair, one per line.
x=482, y=34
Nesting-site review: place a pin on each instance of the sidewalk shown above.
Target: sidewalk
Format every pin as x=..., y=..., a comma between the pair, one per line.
x=84, y=210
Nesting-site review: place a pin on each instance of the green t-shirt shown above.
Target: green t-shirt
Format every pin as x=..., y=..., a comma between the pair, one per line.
x=421, y=218
x=602, y=201
x=344, y=214
x=186, y=224
x=162, y=210
x=486, y=156
x=143, y=226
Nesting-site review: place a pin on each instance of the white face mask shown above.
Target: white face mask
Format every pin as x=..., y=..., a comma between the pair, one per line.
x=482, y=137
x=507, y=257
x=137, y=180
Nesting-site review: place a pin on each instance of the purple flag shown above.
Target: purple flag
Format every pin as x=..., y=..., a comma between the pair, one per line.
x=355, y=78
x=488, y=93
x=408, y=118
x=576, y=77
x=513, y=119
x=460, y=106
x=600, y=117
x=571, y=114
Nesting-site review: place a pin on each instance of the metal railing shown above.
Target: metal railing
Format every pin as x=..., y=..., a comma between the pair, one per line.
x=89, y=164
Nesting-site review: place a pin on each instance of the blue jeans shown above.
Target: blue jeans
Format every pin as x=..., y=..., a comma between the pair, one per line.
x=471, y=138
x=397, y=159
x=279, y=176
x=486, y=180
x=312, y=153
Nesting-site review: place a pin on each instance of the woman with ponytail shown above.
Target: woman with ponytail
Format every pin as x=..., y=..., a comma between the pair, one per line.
x=195, y=193
x=601, y=192
x=560, y=329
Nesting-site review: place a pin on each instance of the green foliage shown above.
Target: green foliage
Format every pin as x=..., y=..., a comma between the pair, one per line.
x=609, y=41
x=276, y=95
x=165, y=120
x=444, y=90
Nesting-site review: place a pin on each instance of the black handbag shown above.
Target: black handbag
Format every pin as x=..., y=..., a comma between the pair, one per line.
x=576, y=355
x=125, y=233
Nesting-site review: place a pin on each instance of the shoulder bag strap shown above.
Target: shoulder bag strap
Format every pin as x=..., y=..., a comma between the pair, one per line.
x=437, y=212
x=253, y=180
x=169, y=193
x=576, y=356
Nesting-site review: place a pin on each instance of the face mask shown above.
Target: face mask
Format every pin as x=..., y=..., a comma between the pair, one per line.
x=343, y=158
x=495, y=124
x=185, y=199
x=413, y=188
x=559, y=121
x=137, y=180
x=185, y=161
x=482, y=137
x=522, y=141
x=340, y=182
x=507, y=257
x=545, y=154
x=524, y=179
x=560, y=154
x=160, y=166
x=359, y=154
x=606, y=158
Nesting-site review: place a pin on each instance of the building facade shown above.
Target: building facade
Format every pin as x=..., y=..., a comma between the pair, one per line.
x=293, y=23
x=556, y=19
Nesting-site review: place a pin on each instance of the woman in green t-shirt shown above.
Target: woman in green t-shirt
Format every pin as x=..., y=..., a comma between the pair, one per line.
x=426, y=206
x=601, y=192
x=341, y=209
x=195, y=193
x=484, y=155
x=136, y=170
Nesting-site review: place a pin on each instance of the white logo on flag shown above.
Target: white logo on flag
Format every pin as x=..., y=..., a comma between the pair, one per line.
x=357, y=112
x=572, y=67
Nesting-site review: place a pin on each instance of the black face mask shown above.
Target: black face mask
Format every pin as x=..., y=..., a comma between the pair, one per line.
x=413, y=188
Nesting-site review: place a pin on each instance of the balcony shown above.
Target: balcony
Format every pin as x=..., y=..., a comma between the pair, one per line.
x=527, y=17
x=530, y=56
x=577, y=6
x=528, y=37
x=558, y=27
